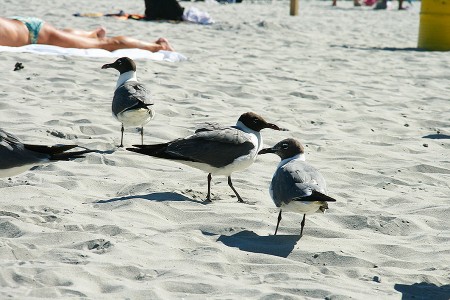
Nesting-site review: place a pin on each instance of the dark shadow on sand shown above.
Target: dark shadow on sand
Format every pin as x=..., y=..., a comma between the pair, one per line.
x=277, y=245
x=380, y=48
x=423, y=291
x=104, y=151
x=161, y=197
x=437, y=136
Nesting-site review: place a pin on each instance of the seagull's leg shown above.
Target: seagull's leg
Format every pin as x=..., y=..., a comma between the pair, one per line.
x=208, y=197
x=142, y=135
x=303, y=225
x=278, y=223
x=121, y=137
x=235, y=192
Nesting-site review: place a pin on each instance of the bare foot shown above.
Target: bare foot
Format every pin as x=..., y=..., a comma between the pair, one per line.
x=164, y=43
x=99, y=32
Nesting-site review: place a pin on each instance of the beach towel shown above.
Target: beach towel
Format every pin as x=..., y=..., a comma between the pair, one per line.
x=120, y=15
x=131, y=53
x=191, y=14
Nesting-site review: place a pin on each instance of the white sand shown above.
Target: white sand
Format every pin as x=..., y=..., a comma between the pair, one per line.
x=345, y=81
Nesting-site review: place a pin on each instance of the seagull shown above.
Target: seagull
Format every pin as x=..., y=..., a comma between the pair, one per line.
x=16, y=157
x=296, y=186
x=131, y=102
x=215, y=149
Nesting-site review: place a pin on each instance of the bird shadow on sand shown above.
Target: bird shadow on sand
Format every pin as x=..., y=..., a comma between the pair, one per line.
x=160, y=197
x=379, y=48
x=423, y=291
x=277, y=245
x=437, y=136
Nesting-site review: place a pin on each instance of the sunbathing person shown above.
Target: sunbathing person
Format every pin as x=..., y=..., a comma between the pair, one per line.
x=19, y=31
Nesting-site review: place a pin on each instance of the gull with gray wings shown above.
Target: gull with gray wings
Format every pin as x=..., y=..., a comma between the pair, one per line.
x=296, y=186
x=132, y=104
x=214, y=149
x=17, y=157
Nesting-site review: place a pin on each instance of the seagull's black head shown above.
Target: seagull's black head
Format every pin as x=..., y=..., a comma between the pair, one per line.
x=256, y=122
x=123, y=65
x=285, y=149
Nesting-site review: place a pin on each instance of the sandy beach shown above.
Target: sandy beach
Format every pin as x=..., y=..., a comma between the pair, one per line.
x=348, y=82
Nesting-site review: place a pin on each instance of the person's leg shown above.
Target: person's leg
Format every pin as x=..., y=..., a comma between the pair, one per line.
x=99, y=32
x=400, y=4
x=51, y=36
x=122, y=42
x=333, y=3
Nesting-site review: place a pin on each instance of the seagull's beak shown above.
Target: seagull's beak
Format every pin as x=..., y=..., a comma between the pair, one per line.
x=107, y=66
x=275, y=127
x=267, y=150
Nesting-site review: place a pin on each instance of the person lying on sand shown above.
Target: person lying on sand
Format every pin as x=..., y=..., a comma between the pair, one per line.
x=21, y=31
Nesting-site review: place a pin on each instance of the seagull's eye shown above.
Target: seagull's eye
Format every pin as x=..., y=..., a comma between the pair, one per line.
x=285, y=146
x=255, y=120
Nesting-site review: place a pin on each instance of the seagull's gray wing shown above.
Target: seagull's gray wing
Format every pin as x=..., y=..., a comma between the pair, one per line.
x=130, y=95
x=209, y=126
x=294, y=181
x=217, y=148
